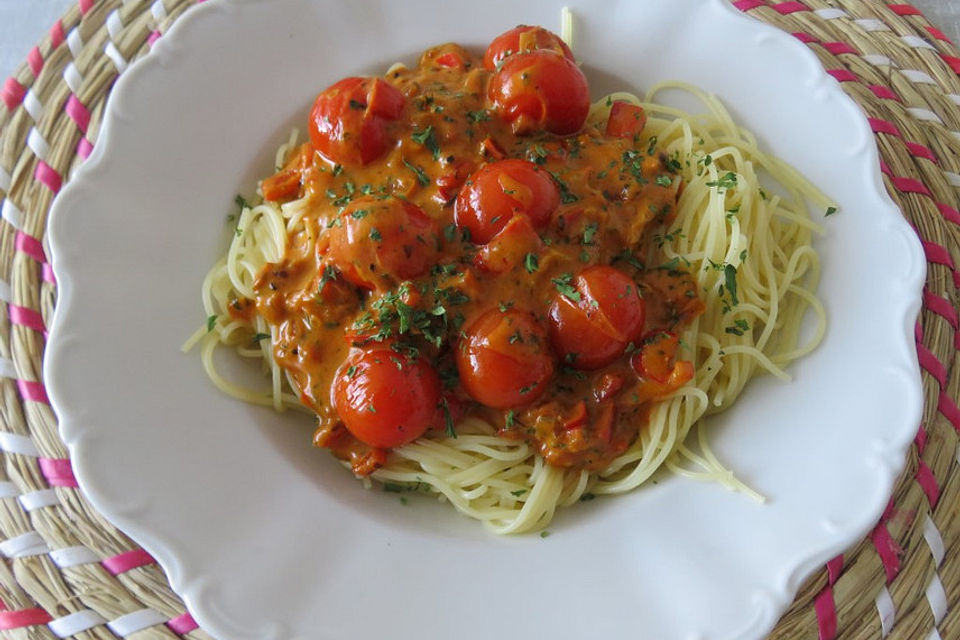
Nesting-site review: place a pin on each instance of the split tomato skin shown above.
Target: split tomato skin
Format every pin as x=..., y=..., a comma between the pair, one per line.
x=521, y=39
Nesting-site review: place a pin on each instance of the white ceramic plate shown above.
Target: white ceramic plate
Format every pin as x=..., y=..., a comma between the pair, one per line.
x=266, y=537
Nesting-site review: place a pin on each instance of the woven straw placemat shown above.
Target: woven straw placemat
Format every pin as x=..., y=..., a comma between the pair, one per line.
x=68, y=573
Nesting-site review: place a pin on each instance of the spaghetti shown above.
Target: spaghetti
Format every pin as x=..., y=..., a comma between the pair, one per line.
x=746, y=247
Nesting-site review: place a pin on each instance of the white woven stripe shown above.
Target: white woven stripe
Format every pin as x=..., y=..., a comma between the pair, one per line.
x=937, y=597
x=8, y=490
x=932, y=535
x=5, y=180
x=956, y=135
x=831, y=14
x=75, y=42
x=114, y=24
x=11, y=213
x=879, y=60
x=7, y=368
x=954, y=98
x=73, y=556
x=39, y=499
x=33, y=105
x=953, y=178
x=16, y=443
x=28, y=544
x=72, y=77
x=158, y=10
x=920, y=77
x=934, y=635
x=888, y=613
x=114, y=54
x=76, y=623
x=136, y=621
x=37, y=144
x=5, y=291
x=924, y=114
x=872, y=24
x=917, y=42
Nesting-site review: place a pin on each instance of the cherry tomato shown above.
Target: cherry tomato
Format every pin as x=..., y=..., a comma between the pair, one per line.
x=385, y=398
x=377, y=242
x=449, y=56
x=521, y=39
x=540, y=91
x=592, y=325
x=501, y=190
x=626, y=120
x=348, y=122
x=510, y=247
x=656, y=363
x=285, y=184
x=504, y=361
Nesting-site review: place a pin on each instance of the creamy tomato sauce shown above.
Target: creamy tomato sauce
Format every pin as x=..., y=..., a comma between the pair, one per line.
x=472, y=247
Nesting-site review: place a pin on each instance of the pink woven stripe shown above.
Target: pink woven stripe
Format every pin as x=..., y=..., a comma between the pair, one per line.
x=27, y=318
x=883, y=93
x=905, y=10
x=920, y=151
x=77, y=112
x=836, y=48
x=747, y=5
x=153, y=37
x=126, y=561
x=826, y=614
x=834, y=568
x=921, y=440
x=949, y=409
x=942, y=307
x=937, y=253
x=33, y=391
x=879, y=125
x=909, y=185
x=85, y=6
x=23, y=618
x=932, y=365
x=949, y=213
x=35, y=61
x=843, y=75
x=29, y=245
x=928, y=483
x=787, y=8
x=888, y=550
x=57, y=36
x=47, y=273
x=183, y=624
x=936, y=33
x=12, y=93
x=58, y=472
x=805, y=38
x=953, y=62
x=84, y=148
x=48, y=176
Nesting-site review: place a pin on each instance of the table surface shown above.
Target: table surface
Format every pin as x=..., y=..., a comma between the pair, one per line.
x=24, y=22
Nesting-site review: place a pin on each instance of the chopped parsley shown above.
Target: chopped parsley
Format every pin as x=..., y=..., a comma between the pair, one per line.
x=830, y=211
x=375, y=235
x=422, y=176
x=726, y=181
x=739, y=327
x=564, y=285
x=589, y=232
x=428, y=139
x=211, y=323
x=531, y=262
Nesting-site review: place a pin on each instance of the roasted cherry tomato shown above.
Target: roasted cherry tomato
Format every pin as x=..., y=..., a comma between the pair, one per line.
x=592, y=323
x=348, y=122
x=285, y=184
x=626, y=120
x=377, y=242
x=449, y=56
x=510, y=247
x=540, y=91
x=385, y=398
x=504, y=361
x=521, y=39
x=656, y=363
x=499, y=191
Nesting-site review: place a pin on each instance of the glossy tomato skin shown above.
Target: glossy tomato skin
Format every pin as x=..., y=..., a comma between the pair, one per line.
x=492, y=196
x=505, y=361
x=376, y=242
x=385, y=398
x=594, y=330
x=349, y=120
x=540, y=91
x=521, y=39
